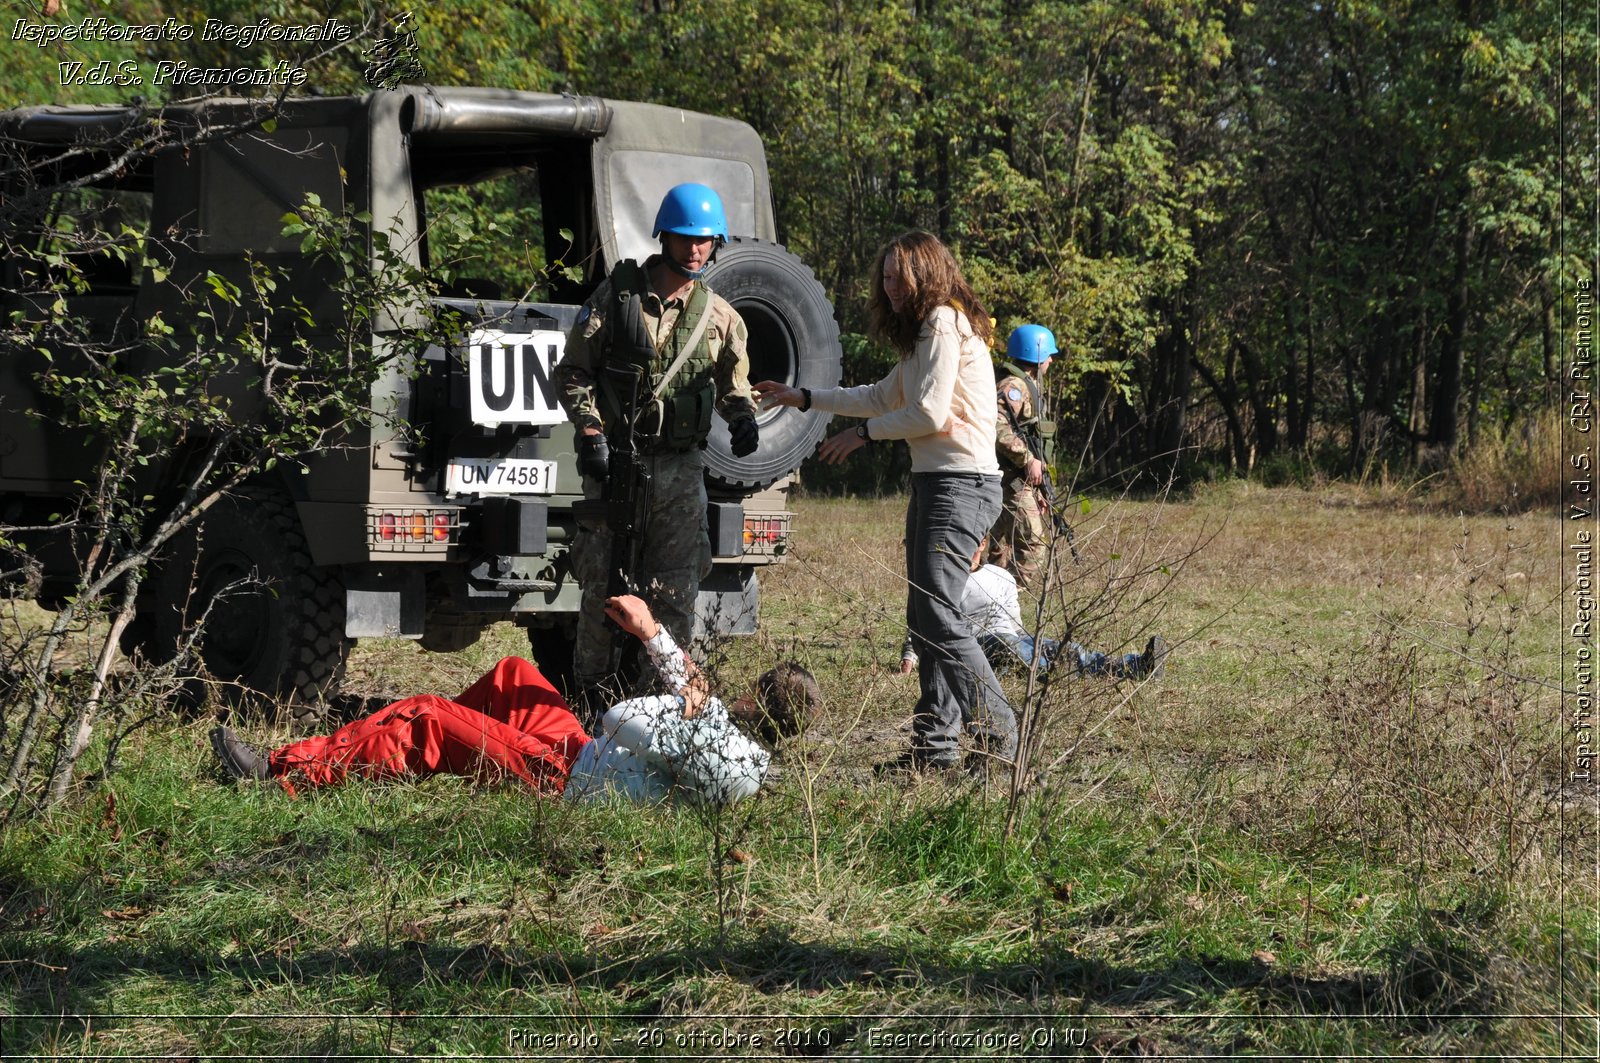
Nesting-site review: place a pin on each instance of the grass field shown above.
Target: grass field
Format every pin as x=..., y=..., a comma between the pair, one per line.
x=1340, y=826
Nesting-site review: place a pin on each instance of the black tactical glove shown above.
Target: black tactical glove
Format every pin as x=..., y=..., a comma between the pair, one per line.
x=745, y=437
x=594, y=456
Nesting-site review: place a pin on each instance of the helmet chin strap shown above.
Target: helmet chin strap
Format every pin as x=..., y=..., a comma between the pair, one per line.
x=684, y=271
x=681, y=270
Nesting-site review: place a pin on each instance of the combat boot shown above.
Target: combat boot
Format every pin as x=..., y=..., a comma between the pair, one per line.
x=238, y=758
x=1153, y=661
x=916, y=761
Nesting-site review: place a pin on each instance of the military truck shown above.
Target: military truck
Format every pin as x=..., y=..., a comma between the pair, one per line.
x=451, y=508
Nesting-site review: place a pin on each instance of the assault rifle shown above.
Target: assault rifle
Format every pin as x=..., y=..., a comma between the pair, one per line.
x=1047, y=490
x=1047, y=487
x=624, y=504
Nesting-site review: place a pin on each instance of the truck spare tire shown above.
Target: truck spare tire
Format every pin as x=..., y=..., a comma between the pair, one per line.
x=794, y=340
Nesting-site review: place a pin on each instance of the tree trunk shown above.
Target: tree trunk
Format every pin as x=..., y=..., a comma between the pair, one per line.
x=1552, y=372
x=1352, y=402
x=1261, y=410
x=1444, y=428
x=22, y=755
x=1419, y=398
x=1228, y=399
x=83, y=728
x=1291, y=385
x=1171, y=382
x=1375, y=410
x=1308, y=405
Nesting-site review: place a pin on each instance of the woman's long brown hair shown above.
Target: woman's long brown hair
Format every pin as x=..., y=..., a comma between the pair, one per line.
x=934, y=279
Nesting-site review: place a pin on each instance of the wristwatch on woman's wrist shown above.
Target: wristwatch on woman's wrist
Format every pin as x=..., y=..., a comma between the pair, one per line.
x=861, y=433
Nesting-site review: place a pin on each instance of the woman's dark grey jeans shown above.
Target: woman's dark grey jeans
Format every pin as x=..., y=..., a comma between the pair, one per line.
x=948, y=514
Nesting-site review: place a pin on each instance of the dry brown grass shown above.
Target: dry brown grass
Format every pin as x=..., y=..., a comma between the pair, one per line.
x=1515, y=468
x=1350, y=674
x=1280, y=573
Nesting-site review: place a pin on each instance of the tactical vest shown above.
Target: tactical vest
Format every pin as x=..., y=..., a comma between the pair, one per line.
x=1042, y=429
x=679, y=417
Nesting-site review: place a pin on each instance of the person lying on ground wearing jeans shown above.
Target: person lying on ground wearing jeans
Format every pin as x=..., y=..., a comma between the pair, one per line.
x=991, y=606
x=512, y=722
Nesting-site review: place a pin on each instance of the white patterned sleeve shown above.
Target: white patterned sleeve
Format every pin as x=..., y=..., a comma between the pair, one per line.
x=670, y=662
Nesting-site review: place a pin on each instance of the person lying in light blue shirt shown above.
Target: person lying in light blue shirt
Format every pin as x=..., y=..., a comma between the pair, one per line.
x=685, y=745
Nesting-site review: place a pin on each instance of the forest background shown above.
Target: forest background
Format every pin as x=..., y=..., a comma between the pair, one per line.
x=1286, y=239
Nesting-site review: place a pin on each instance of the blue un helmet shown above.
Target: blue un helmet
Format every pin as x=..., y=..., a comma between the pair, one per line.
x=1031, y=344
x=692, y=210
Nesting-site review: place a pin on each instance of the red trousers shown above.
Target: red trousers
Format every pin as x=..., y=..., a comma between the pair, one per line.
x=511, y=721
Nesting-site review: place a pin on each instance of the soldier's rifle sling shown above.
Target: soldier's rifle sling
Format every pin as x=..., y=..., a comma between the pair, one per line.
x=688, y=348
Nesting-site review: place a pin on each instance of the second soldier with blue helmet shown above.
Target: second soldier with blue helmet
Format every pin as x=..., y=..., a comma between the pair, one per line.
x=1024, y=442
x=688, y=345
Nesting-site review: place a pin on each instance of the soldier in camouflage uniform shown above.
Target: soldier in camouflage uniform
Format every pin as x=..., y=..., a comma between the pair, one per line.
x=691, y=359
x=1024, y=441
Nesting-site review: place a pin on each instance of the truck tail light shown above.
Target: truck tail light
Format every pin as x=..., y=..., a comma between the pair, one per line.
x=764, y=534
x=399, y=530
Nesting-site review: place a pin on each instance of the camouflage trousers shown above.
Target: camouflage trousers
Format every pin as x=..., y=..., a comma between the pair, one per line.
x=1019, y=540
x=675, y=556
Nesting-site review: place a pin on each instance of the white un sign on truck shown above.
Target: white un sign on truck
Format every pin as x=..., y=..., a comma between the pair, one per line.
x=509, y=374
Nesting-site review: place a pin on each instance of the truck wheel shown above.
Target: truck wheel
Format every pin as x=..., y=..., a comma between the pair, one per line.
x=794, y=339
x=275, y=630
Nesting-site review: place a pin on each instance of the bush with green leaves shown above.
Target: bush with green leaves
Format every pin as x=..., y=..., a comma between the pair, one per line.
x=186, y=408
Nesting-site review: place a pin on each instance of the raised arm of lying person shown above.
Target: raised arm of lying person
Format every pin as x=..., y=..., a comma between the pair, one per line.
x=672, y=663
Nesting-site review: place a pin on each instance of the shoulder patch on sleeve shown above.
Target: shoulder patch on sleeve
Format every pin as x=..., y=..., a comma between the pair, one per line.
x=1014, y=395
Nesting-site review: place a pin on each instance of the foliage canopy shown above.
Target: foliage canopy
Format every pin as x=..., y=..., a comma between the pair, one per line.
x=1340, y=232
